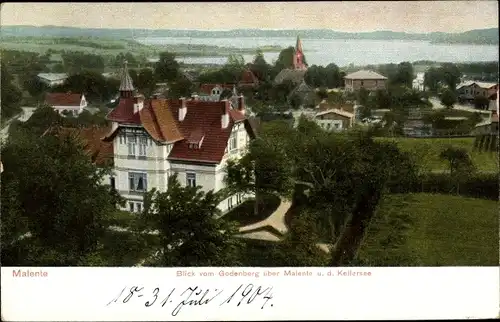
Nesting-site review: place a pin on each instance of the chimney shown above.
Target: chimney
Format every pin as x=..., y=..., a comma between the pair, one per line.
x=138, y=103
x=225, y=114
x=241, y=104
x=182, y=109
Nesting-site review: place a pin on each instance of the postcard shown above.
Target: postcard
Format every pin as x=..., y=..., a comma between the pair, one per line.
x=249, y=161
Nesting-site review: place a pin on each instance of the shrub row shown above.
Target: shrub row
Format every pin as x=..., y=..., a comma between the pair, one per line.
x=483, y=186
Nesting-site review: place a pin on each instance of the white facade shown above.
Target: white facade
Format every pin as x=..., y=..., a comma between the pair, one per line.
x=330, y=125
x=141, y=164
x=418, y=82
x=73, y=109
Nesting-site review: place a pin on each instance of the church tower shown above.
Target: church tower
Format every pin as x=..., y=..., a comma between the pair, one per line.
x=298, y=57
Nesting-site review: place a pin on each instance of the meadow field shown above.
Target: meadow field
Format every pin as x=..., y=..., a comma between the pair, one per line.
x=432, y=230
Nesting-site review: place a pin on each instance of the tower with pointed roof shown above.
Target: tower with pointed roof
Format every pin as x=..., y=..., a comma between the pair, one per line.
x=298, y=56
x=126, y=84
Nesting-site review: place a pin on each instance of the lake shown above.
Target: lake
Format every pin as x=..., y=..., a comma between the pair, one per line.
x=342, y=52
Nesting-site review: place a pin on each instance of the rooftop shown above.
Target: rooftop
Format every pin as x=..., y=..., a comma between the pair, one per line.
x=53, y=76
x=63, y=99
x=364, y=74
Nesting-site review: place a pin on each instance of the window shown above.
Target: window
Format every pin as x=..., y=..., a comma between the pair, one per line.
x=121, y=138
x=238, y=198
x=132, y=141
x=230, y=203
x=138, y=181
x=328, y=126
x=362, y=83
x=191, y=179
x=139, y=206
x=336, y=125
x=232, y=142
x=112, y=182
x=131, y=206
x=143, y=143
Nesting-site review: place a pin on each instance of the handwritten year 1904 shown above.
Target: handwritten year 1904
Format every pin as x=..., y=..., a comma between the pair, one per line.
x=195, y=296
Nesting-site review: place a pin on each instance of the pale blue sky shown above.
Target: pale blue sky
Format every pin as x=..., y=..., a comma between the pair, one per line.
x=409, y=16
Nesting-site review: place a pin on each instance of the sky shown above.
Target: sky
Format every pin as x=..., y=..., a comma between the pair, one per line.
x=348, y=16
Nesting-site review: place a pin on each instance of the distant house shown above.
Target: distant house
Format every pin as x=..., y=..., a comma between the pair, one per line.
x=52, y=79
x=469, y=90
x=418, y=82
x=248, y=79
x=212, y=92
x=74, y=103
x=306, y=94
x=366, y=79
x=334, y=119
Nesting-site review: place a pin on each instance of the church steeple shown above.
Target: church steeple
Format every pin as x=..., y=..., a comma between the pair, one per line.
x=126, y=84
x=298, y=57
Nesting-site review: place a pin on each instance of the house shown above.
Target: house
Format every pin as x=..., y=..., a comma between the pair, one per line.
x=418, y=82
x=334, y=119
x=26, y=113
x=212, y=92
x=73, y=103
x=304, y=93
x=469, y=90
x=366, y=79
x=248, y=79
x=155, y=138
x=52, y=79
x=297, y=71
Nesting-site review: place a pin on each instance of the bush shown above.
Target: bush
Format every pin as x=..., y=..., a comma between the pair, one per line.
x=481, y=185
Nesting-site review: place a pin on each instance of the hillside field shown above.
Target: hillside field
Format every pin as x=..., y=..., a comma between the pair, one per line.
x=428, y=150
x=432, y=230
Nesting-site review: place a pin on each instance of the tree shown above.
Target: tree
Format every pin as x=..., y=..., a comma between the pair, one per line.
x=182, y=87
x=146, y=82
x=35, y=87
x=450, y=75
x=299, y=246
x=167, y=69
x=431, y=79
x=266, y=168
x=190, y=232
x=448, y=98
x=56, y=192
x=11, y=95
x=458, y=159
x=285, y=60
x=404, y=74
x=259, y=67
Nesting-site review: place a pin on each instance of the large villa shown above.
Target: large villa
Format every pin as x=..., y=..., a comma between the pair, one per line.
x=151, y=139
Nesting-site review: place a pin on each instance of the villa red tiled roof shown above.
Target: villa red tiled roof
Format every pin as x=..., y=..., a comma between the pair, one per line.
x=63, y=99
x=101, y=152
x=203, y=120
x=160, y=118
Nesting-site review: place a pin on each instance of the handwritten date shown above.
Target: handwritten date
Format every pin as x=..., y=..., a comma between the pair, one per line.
x=195, y=296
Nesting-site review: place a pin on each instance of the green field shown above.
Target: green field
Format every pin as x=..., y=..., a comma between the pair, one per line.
x=427, y=152
x=103, y=46
x=432, y=230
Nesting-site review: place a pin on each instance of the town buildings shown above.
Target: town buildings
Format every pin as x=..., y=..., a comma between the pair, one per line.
x=334, y=119
x=151, y=139
x=469, y=90
x=366, y=79
x=72, y=103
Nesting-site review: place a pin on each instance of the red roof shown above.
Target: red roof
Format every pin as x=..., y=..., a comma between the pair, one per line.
x=203, y=120
x=160, y=118
x=248, y=78
x=63, y=99
x=207, y=88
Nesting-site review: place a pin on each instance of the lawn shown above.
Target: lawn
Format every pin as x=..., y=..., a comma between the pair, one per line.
x=244, y=215
x=428, y=150
x=432, y=230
